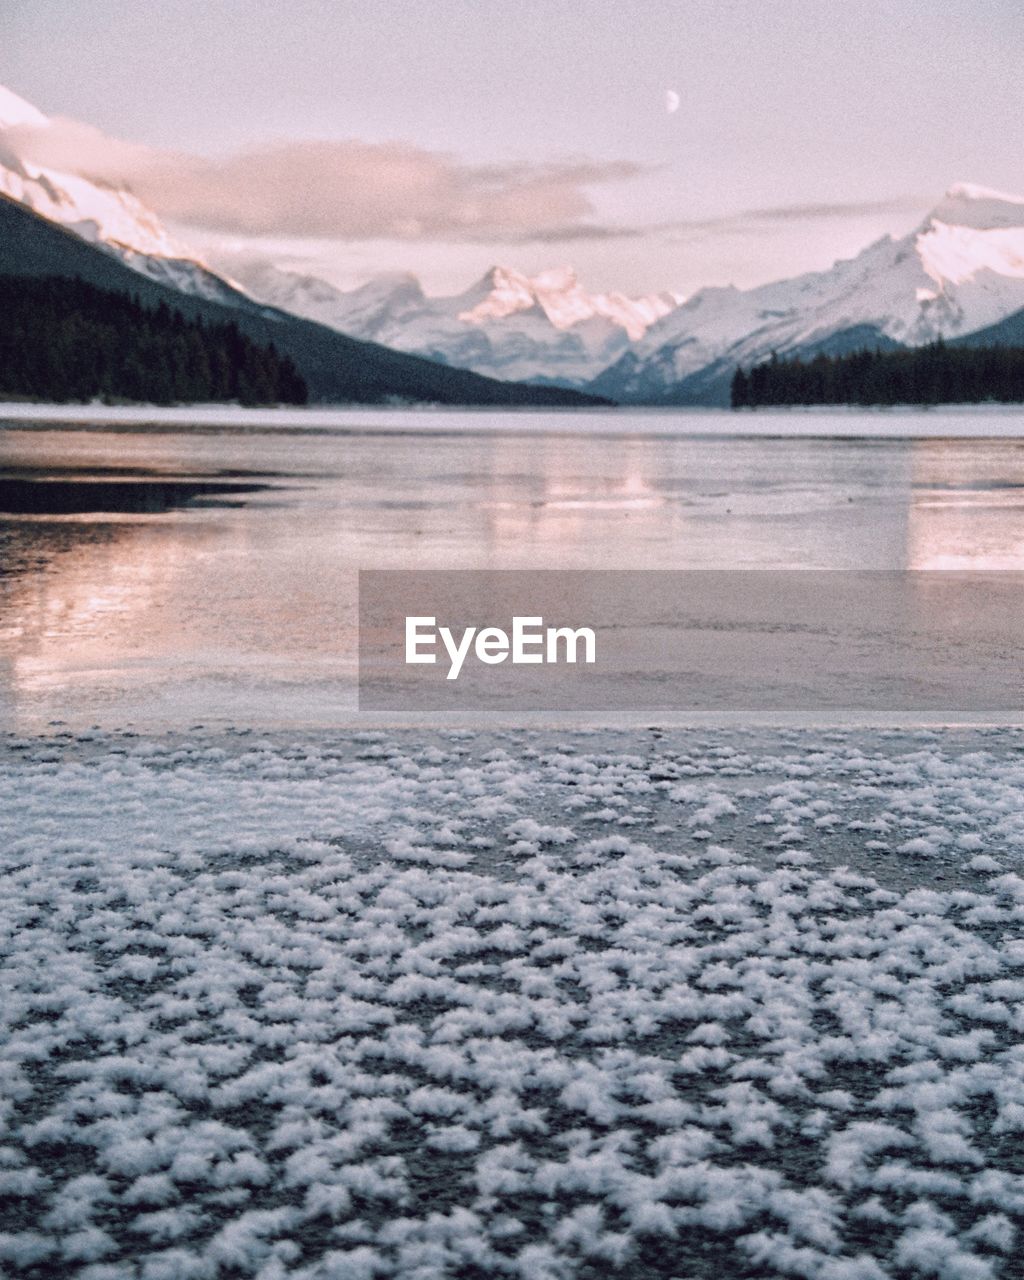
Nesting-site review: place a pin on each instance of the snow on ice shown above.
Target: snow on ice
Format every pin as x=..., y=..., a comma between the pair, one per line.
x=512, y=1005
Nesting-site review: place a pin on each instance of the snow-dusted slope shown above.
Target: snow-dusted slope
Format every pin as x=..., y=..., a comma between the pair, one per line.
x=362, y=312
x=15, y=112
x=109, y=217
x=507, y=325
x=960, y=270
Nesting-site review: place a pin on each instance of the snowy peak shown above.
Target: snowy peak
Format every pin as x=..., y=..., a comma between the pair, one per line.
x=558, y=293
x=15, y=112
x=392, y=284
x=966, y=204
x=388, y=294
x=110, y=217
x=973, y=230
x=499, y=292
x=507, y=325
x=957, y=254
x=361, y=313
x=959, y=271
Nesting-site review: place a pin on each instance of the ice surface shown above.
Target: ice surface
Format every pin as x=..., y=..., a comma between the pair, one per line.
x=654, y=1005
x=247, y=613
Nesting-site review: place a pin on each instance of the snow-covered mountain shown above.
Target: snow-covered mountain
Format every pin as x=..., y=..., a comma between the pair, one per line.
x=110, y=217
x=545, y=328
x=61, y=224
x=960, y=270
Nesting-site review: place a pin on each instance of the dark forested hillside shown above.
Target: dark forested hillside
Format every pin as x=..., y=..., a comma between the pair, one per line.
x=934, y=374
x=66, y=340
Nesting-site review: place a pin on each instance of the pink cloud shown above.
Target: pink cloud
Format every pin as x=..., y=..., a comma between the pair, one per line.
x=341, y=190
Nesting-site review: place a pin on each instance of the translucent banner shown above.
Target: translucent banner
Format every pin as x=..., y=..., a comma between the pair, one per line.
x=824, y=647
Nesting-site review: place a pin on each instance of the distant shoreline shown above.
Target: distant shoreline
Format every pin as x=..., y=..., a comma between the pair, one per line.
x=894, y=422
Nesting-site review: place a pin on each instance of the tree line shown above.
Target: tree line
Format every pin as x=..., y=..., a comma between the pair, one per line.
x=62, y=339
x=933, y=374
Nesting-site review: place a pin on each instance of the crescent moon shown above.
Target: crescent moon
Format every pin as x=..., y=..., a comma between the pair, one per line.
x=671, y=101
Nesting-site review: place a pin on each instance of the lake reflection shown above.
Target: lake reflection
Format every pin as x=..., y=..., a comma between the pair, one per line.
x=244, y=612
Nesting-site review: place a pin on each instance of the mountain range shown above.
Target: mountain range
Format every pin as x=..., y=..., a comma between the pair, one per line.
x=542, y=329
x=958, y=275
x=54, y=223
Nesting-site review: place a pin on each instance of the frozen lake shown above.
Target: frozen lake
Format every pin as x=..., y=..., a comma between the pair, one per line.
x=166, y=568
x=649, y=1002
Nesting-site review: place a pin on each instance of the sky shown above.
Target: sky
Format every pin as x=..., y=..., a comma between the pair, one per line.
x=350, y=138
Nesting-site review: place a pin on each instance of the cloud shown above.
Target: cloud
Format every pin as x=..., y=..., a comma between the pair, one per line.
x=823, y=212
x=73, y=147
x=350, y=190
x=754, y=220
x=579, y=231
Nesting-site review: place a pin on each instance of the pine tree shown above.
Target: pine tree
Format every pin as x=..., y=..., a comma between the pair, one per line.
x=933, y=374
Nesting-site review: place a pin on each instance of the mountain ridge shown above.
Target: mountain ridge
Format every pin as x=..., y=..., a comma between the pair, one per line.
x=505, y=324
x=114, y=241
x=960, y=271
x=958, y=274
x=336, y=368
x=112, y=218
